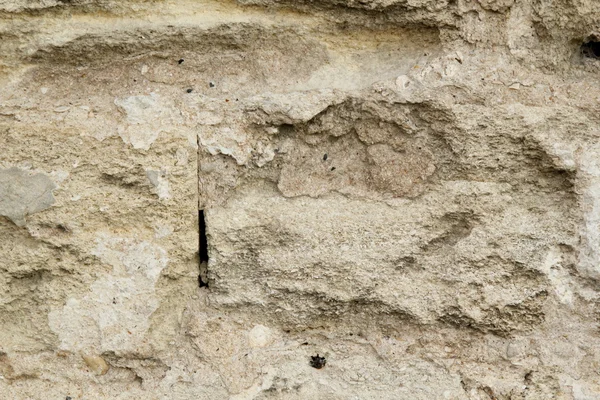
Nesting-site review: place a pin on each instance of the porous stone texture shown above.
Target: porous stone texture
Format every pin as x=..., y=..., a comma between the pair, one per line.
x=407, y=188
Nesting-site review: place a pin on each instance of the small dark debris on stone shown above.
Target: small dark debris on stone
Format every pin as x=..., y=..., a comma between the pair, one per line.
x=325, y=157
x=63, y=228
x=181, y=60
x=211, y=84
x=68, y=398
x=190, y=90
x=332, y=168
x=317, y=361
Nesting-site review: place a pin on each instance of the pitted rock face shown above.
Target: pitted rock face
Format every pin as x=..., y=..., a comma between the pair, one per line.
x=401, y=173
x=276, y=199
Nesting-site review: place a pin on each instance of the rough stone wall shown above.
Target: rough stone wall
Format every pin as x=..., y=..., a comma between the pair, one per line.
x=407, y=188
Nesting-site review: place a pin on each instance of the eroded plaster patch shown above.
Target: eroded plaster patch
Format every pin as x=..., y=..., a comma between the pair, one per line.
x=558, y=276
x=589, y=180
x=158, y=179
x=146, y=117
x=114, y=315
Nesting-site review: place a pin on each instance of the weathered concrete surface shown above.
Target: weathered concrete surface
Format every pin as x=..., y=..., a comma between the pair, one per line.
x=410, y=189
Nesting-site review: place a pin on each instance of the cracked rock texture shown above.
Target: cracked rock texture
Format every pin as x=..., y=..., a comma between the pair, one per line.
x=407, y=188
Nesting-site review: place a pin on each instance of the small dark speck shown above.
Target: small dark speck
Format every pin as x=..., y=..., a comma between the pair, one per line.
x=305, y=344
x=63, y=228
x=325, y=157
x=181, y=60
x=211, y=84
x=190, y=90
x=317, y=361
x=332, y=168
x=114, y=301
x=68, y=398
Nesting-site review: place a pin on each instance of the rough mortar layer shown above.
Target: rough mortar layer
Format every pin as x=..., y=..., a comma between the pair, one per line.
x=409, y=189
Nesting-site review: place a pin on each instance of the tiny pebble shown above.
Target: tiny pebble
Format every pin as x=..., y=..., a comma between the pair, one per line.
x=325, y=157
x=181, y=60
x=61, y=109
x=189, y=90
x=96, y=364
x=211, y=84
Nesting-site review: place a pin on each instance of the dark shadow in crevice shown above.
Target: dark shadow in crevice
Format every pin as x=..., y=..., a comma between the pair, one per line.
x=591, y=49
x=202, y=250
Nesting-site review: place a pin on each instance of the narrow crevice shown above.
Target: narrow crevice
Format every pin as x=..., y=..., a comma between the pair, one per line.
x=202, y=233
x=202, y=250
x=202, y=239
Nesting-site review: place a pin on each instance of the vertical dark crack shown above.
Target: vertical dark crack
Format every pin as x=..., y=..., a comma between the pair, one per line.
x=203, y=250
x=202, y=239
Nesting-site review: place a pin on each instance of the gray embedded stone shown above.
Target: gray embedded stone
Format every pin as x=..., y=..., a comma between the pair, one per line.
x=23, y=193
